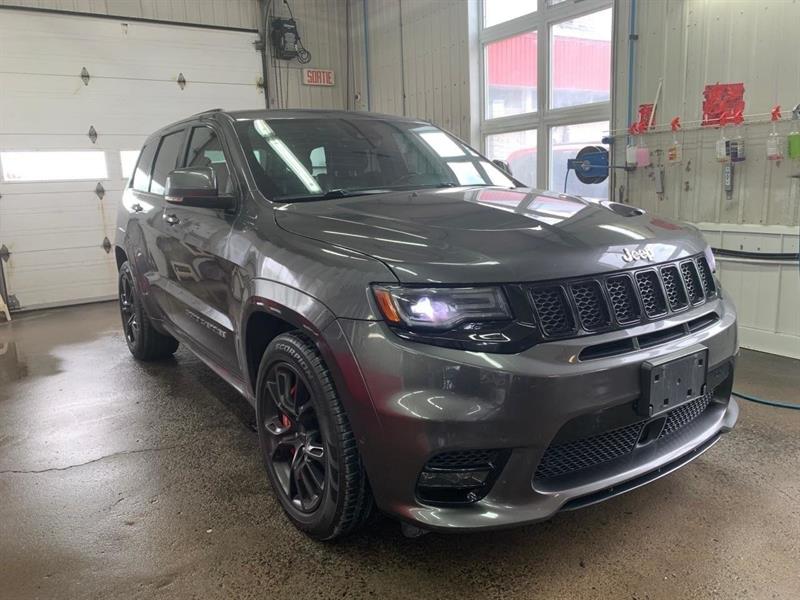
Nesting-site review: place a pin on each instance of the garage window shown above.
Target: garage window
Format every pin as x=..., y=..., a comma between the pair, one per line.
x=166, y=161
x=546, y=75
x=53, y=165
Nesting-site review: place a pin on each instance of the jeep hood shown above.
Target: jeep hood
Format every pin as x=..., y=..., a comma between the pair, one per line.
x=469, y=235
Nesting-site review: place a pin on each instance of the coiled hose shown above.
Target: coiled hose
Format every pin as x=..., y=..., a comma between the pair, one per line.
x=767, y=402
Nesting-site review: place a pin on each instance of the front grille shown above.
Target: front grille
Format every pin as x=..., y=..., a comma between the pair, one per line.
x=673, y=285
x=683, y=415
x=583, y=306
x=552, y=310
x=692, y=280
x=592, y=310
x=571, y=457
x=463, y=459
x=652, y=296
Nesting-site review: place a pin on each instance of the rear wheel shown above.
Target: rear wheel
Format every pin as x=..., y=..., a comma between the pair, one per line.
x=308, y=449
x=144, y=342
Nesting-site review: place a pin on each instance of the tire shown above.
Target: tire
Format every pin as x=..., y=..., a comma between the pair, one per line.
x=144, y=342
x=305, y=438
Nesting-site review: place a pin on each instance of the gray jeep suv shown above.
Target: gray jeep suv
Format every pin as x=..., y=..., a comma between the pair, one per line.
x=415, y=329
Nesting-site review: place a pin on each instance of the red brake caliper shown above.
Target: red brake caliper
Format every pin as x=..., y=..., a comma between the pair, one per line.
x=285, y=421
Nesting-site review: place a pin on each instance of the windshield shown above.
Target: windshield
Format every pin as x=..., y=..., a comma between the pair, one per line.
x=312, y=159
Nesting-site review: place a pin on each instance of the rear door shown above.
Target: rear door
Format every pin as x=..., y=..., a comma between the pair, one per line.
x=200, y=280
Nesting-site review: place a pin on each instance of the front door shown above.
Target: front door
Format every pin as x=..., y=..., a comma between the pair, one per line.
x=201, y=282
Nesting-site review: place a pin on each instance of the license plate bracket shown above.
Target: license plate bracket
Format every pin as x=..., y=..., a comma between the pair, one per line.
x=671, y=381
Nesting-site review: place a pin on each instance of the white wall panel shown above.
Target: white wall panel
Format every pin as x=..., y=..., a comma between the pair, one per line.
x=221, y=13
x=688, y=44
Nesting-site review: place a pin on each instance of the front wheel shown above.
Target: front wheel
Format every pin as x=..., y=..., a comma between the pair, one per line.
x=144, y=342
x=308, y=448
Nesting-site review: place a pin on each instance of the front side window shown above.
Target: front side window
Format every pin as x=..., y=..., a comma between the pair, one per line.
x=295, y=159
x=205, y=150
x=166, y=161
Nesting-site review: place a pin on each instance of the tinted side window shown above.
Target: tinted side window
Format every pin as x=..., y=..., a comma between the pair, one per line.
x=205, y=150
x=141, y=177
x=166, y=160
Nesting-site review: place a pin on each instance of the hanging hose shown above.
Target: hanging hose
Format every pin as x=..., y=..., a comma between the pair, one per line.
x=767, y=402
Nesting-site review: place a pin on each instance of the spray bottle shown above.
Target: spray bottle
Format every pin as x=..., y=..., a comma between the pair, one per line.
x=674, y=151
x=794, y=136
x=737, y=142
x=775, y=143
x=722, y=147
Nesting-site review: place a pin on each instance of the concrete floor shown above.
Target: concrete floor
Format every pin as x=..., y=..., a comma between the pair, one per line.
x=123, y=480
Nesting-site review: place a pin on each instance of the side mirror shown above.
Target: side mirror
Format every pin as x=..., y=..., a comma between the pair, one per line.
x=196, y=187
x=502, y=165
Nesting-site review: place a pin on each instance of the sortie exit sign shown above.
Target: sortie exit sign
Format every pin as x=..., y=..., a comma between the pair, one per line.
x=318, y=77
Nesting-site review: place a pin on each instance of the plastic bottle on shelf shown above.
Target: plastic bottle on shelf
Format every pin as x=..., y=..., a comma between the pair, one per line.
x=794, y=136
x=642, y=151
x=630, y=149
x=723, y=145
x=675, y=151
x=775, y=143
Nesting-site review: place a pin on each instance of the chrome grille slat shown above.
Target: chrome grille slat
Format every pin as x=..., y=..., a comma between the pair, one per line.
x=586, y=305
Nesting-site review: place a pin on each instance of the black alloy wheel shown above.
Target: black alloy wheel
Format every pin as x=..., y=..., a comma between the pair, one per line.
x=296, y=447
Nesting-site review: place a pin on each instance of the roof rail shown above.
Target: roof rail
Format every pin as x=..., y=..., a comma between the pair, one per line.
x=205, y=112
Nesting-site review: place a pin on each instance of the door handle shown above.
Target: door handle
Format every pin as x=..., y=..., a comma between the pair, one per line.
x=137, y=207
x=172, y=219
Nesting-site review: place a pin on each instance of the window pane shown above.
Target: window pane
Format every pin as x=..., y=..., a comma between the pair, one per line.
x=564, y=144
x=518, y=149
x=53, y=166
x=141, y=178
x=166, y=160
x=581, y=60
x=205, y=150
x=499, y=11
x=127, y=160
x=511, y=76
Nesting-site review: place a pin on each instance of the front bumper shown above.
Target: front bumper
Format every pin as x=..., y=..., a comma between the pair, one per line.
x=426, y=400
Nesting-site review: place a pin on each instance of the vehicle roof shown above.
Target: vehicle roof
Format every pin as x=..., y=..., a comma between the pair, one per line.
x=311, y=113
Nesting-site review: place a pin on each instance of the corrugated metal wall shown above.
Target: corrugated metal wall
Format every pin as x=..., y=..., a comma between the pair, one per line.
x=323, y=29
x=418, y=60
x=224, y=13
x=689, y=44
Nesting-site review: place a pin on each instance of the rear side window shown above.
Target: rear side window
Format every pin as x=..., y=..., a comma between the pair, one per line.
x=141, y=176
x=166, y=161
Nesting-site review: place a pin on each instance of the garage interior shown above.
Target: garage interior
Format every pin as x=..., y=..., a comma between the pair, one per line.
x=121, y=479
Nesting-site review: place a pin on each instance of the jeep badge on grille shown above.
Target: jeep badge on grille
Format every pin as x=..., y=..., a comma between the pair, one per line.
x=631, y=255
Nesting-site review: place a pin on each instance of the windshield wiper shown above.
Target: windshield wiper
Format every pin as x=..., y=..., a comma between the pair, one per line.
x=330, y=194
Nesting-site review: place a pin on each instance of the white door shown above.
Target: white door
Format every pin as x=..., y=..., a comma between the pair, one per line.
x=53, y=216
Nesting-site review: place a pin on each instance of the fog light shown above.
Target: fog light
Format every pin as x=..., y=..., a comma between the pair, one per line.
x=453, y=479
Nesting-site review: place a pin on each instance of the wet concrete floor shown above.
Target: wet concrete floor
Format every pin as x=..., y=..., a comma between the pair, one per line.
x=125, y=480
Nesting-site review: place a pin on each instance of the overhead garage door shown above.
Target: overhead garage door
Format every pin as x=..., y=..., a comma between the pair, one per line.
x=59, y=185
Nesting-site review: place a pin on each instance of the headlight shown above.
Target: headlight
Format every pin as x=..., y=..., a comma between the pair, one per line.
x=440, y=308
x=712, y=262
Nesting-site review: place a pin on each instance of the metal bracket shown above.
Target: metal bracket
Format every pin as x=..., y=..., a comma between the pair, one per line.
x=106, y=245
x=92, y=134
x=4, y=253
x=100, y=190
x=13, y=303
x=181, y=81
x=85, y=77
